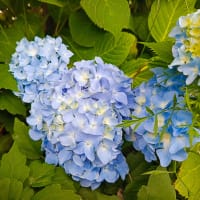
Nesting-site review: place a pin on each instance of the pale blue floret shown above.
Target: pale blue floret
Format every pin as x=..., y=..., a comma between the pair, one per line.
x=36, y=68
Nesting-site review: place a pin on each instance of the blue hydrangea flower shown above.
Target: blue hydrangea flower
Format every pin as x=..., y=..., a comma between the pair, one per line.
x=162, y=131
x=186, y=50
x=77, y=121
x=38, y=65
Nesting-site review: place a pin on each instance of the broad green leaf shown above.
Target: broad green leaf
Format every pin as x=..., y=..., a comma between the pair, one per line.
x=139, y=25
x=110, y=15
x=164, y=15
x=11, y=189
x=187, y=183
x=13, y=165
x=136, y=179
x=41, y=174
x=87, y=194
x=83, y=30
x=112, y=51
x=27, y=193
x=157, y=191
x=162, y=49
x=54, y=192
x=80, y=52
x=27, y=25
x=7, y=80
x=60, y=177
x=58, y=3
x=11, y=103
x=32, y=149
x=143, y=193
x=8, y=39
x=133, y=67
x=138, y=70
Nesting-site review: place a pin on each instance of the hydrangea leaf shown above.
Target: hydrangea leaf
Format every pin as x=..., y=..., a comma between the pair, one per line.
x=110, y=15
x=89, y=33
x=87, y=194
x=156, y=191
x=162, y=49
x=53, y=192
x=187, y=183
x=137, y=166
x=41, y=174
x=113, y=51
x=11, y=103
x=139, y=25
x=10, y=189
x=27, y=193
x=13, y=165
x=27, y=146
x=7, y=80
x=164, y=14
x=60, y=177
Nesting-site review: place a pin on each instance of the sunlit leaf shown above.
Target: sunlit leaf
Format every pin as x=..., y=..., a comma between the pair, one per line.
x=110, y=15
x=11, y=103
x=7, y=80
x=22, y=139
x=13, y=165
x=53, y=192
x=164, y=15
x=11, y=189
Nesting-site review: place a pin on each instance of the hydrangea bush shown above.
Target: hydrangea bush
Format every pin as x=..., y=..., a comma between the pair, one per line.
x=99, y=100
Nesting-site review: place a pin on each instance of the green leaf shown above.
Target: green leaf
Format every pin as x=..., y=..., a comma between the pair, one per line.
x=11, y=189
x=7, y=80
x=155, y=190
x=164, y=15
x=89, y=33
x=139, y=25
x=112, y=51
x=87, y=194
x=11, y=103
x=27, y=193
x=13, y=165
x=162, y=49
x=58, y=3
x=80, y=52
x=133, y=67
x=32, y=149
x=137, y=166
x=110, y=15
x=8, y=38
x=138, y=69
x=60, y=177
x=187, y=183
x=41, y=174
x=143, y=193
x=54, y=192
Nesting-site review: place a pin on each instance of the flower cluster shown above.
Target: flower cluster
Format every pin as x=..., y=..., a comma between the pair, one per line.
x=161, y=118
x=38, y=65
x=77, y=122
x=186, y=50
x=79, y=109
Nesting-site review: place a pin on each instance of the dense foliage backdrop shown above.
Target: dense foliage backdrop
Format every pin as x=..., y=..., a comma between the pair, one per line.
x=131, y=34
